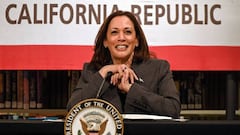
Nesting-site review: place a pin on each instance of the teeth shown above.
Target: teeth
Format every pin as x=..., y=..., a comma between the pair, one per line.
x=121, y=46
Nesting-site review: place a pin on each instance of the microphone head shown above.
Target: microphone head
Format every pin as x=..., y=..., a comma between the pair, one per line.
x=109, y=73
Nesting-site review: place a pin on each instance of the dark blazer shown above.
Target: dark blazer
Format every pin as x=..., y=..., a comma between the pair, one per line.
x=156, y=95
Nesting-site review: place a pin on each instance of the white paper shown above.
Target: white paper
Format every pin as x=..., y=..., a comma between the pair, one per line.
x=145, y=116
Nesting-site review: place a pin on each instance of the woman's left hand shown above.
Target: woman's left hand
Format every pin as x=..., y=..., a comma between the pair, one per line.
x=124, y=79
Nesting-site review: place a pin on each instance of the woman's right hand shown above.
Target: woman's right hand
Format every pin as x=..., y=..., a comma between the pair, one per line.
x=123, y=76
x=119, y=71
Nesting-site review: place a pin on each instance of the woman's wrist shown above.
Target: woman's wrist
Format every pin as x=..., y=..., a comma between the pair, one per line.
x=103, y=72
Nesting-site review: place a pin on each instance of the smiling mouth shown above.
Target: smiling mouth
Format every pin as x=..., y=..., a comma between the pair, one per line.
x=121, y=47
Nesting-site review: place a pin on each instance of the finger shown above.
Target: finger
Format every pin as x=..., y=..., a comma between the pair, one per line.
x=126, y=75
x=113, y=79
x=118, y=78
x=133, y=76
x=124, y=79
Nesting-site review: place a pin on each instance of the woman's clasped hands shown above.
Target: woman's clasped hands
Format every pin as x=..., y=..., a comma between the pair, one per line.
x=123, y=76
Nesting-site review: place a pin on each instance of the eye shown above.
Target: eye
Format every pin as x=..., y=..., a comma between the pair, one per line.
x=128, y=32
x=114, y=32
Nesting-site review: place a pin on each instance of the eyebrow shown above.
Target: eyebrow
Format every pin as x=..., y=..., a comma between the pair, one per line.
x=124, y=28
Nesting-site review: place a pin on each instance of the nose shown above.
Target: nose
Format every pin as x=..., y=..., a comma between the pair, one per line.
x=121, y=36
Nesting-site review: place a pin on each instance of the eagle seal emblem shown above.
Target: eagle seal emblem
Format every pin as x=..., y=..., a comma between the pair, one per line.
x=93, y=117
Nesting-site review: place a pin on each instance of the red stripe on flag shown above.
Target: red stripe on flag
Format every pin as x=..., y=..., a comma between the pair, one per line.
x=200, y=57
x=52, y=57
x=66, y=57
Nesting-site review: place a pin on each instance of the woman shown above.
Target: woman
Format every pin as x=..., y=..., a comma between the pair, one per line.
x=138, y=83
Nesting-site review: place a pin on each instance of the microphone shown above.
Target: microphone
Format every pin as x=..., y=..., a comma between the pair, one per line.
x=103, y=81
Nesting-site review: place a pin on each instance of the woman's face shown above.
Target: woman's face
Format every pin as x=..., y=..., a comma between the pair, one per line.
x=121, y=38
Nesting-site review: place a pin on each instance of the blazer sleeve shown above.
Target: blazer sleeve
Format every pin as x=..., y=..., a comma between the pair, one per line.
x=87, y=87
x=162, y=99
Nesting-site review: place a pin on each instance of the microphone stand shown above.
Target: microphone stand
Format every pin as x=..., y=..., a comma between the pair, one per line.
x=103, y=82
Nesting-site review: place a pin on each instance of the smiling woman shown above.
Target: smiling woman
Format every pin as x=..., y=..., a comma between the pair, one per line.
x=121, y=40
x=121, y=49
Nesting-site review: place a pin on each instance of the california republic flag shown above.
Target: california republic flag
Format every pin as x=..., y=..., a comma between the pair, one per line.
x=191, y=35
